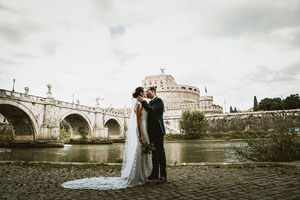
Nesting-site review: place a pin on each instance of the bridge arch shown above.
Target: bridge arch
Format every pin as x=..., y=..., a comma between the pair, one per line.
x=23, y=122
x=78, y=121
x=114, y=127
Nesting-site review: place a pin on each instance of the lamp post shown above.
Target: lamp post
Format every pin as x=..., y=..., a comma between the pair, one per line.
x=282, y=102
x=14, y=80
x=225, y=105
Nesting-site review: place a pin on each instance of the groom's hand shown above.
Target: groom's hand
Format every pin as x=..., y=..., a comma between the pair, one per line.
x=140, y=99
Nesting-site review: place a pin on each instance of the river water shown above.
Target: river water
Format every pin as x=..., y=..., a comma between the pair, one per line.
x=176, y=152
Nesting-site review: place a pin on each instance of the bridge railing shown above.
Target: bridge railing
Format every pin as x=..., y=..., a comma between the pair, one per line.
x=119, y=112
x=74, y=106
x=11, y=94
x=37, y=99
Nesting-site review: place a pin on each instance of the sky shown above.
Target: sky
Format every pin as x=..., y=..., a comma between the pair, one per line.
x=238, y=49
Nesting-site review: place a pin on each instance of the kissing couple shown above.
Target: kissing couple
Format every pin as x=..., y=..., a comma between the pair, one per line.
x=140, y=165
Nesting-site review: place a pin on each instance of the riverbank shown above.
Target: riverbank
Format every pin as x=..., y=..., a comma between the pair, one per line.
x=33, y=144
x=54, y=143
x=42, y=181
x=224, y=135
x=232, y=135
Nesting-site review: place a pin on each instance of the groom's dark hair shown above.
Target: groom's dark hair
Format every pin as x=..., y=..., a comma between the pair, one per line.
x=153, y=88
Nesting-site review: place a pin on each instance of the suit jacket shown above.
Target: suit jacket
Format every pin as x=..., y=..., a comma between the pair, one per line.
x=155, y=111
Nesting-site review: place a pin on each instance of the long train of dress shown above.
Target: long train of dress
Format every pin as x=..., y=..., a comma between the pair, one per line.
x=135, y=167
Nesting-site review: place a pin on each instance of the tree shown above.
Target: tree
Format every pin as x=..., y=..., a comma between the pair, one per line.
x=83, y=132
x=270, y=104
x=235, y=110
x=192, y=123
x=255, y=106
x=231, y=110
x=292, y=102
x=64, y=131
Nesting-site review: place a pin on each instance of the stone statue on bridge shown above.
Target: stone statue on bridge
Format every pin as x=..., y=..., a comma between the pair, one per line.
x=26, y=90
x=49, y=93
x=98, y=101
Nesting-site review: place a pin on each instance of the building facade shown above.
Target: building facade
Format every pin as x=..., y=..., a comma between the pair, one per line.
x=178, y=97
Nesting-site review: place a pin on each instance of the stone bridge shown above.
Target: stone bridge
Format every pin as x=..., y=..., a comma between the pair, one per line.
x=38, y=118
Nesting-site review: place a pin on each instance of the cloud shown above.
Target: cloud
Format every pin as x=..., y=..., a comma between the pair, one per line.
x=8, y=9
x=261, y=17
x=117, y=30
x=15, y=26
x=265, y=82
x=266, y=75
x=122, y=56
x=15, y=33
x=237, y=48
x=50, y=47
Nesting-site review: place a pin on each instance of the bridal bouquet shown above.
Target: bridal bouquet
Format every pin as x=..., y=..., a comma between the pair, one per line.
x=147, y=148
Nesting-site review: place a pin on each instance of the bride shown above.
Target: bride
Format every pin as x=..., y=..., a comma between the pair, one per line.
x=136, y=167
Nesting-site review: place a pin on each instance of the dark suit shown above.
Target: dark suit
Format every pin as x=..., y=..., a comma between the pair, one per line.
x=156, y=131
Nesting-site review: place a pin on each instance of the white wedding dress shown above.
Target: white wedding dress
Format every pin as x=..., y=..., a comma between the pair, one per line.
x=135, y=167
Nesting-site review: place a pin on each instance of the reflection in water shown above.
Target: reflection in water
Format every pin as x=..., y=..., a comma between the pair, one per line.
x=176, y=152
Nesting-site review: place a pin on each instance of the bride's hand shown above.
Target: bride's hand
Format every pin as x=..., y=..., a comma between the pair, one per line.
x=140, y=98
x=141, y=139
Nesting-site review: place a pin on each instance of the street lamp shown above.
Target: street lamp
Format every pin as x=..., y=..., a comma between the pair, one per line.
x=225, y=105
x=14, y=80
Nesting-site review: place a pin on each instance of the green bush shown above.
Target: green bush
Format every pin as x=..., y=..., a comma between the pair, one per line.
x=64, y=131
x=6, y=133
x=192, y=124
x=171, y=136
x=283, y=145
x=83, y=132
x=64, y=135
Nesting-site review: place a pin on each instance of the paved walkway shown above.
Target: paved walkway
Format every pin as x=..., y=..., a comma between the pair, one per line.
x=42, y=181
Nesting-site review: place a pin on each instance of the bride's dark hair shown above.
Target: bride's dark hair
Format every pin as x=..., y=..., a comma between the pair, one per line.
x=137, y=92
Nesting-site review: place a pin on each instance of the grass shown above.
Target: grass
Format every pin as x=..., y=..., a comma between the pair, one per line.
x=224, y=135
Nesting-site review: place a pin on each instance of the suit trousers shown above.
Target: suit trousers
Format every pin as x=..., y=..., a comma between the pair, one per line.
x=158, y=157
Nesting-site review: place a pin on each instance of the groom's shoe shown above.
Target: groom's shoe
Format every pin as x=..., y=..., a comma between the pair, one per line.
x=152, y=179
x=162, y=180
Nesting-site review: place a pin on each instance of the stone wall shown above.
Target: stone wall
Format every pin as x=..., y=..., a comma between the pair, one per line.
x=252, y=120
x=263, y=120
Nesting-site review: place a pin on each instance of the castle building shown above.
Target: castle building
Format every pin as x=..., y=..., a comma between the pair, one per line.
x=178, y=97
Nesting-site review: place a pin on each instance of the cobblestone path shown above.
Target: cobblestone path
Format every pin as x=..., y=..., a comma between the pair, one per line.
x=42, y=181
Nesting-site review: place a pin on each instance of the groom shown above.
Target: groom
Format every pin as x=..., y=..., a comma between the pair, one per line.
x=156, y=131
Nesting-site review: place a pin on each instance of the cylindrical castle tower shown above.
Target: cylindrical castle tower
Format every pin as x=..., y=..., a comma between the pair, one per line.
x=180, y=97
x=170, y=91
